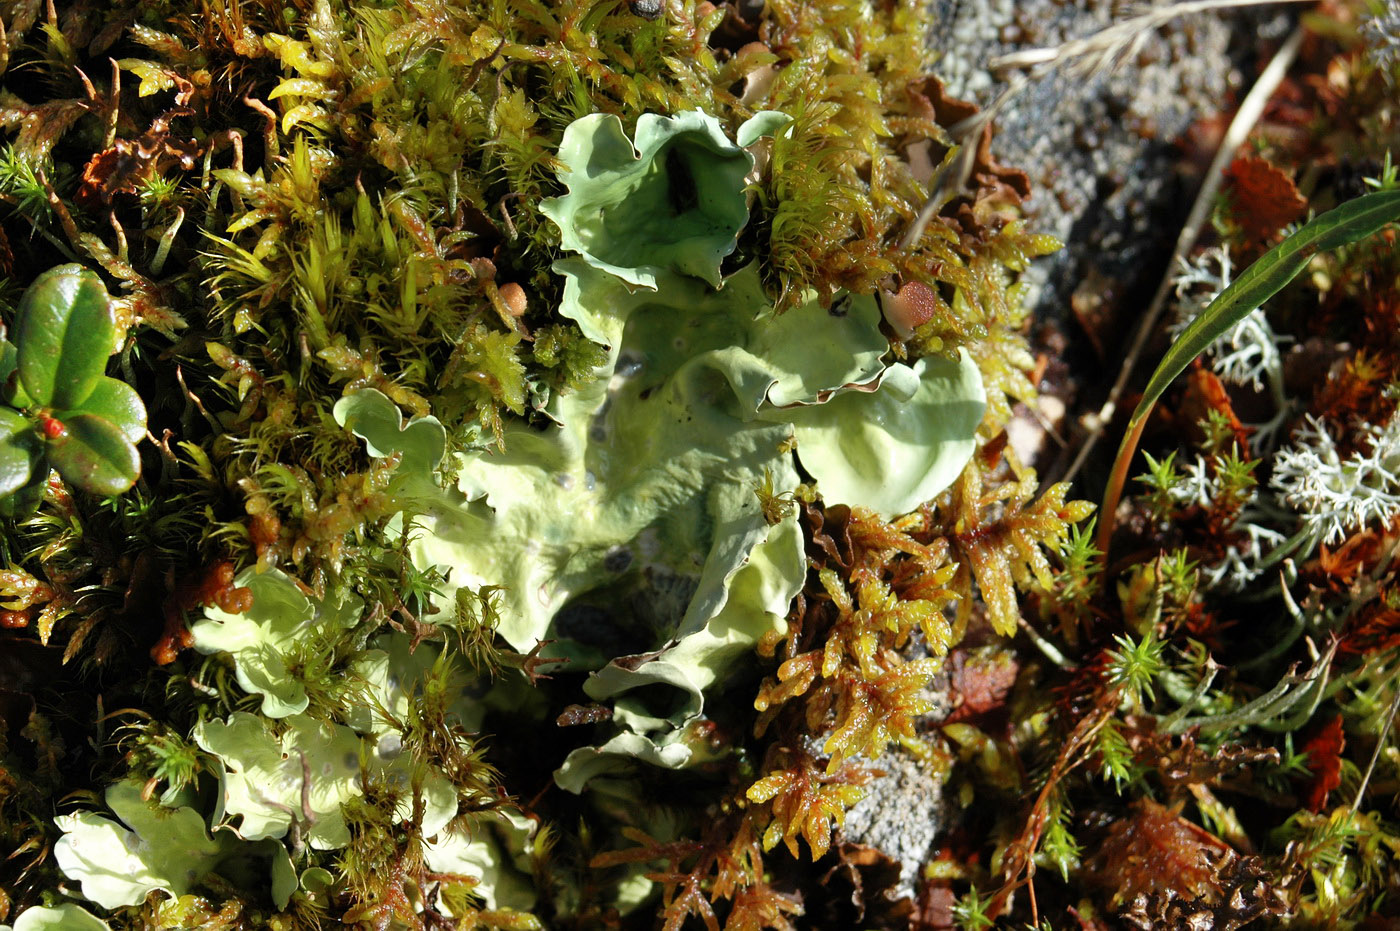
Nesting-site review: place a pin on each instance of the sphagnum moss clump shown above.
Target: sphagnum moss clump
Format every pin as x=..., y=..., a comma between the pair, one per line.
x=436, y=428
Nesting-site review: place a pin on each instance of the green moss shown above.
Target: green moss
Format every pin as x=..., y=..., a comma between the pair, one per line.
x=338, y=280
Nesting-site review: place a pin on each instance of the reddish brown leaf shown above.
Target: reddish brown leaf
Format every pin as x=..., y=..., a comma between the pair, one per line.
x=994, y=186
x=1324, y=750
x=591, y=713
x=980, y=682
x=1154, y=851
x=129, y=163
x=1263, y=199
x=213, y=586
x=1374, y=629
x=1205, y=392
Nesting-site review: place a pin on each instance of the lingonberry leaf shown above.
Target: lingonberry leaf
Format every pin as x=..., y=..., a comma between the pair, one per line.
x=19, y=451
x=93, y=454
x=118, y=402
x=64, y=331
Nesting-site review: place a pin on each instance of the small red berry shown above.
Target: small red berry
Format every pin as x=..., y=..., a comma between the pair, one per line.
x=53, y=428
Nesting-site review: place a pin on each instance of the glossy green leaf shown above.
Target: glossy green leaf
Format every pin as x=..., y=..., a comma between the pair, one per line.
x=25, y=500
x=1343, y=225
x=93, y=454
x=118, y=402
x=11, y=392
x=64, y=332
x=20, y=450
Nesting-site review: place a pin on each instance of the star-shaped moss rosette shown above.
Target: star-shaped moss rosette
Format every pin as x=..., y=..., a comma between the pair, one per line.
x=665, y=205
x=60, y=411
x=261, y=640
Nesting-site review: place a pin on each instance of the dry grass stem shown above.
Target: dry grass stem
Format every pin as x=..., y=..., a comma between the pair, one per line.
x=1250, y=110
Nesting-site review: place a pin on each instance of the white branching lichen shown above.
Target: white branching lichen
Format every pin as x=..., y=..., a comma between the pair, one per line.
x=1248, y=352
x=1382, y=34
x=1336, y=495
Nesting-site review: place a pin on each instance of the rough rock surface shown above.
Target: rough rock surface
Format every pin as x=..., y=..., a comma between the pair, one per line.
x=901, y=815
x=1100, y=151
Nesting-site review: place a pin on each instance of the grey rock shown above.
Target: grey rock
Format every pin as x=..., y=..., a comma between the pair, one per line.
x=901, y=815
x=1099, y=150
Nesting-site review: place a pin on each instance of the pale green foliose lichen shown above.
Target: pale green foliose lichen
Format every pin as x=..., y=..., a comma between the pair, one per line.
x=65, y=917
x=496, y=849
x=265, y=775
x=666, y=205
x=152, y=847
x=260, y=639
x=630, y=532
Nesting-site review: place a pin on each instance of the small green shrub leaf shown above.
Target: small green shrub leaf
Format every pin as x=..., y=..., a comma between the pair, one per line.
x=25, y=501
x=11, y=391
x=117, y=402
x=64, y=332
x=93, y=454
x=20, y=450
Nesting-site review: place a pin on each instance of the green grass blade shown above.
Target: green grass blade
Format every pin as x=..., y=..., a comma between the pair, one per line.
x=1352, y=221
x=1343, y=225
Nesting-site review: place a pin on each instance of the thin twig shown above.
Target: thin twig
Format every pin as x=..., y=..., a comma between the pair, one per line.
x=1109, y=46
x=1376, y=754
x=955, y=174
x=1251, y=109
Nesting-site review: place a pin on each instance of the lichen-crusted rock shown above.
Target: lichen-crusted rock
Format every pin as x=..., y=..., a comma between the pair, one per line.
x=1099, y=150
x=903, y=812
